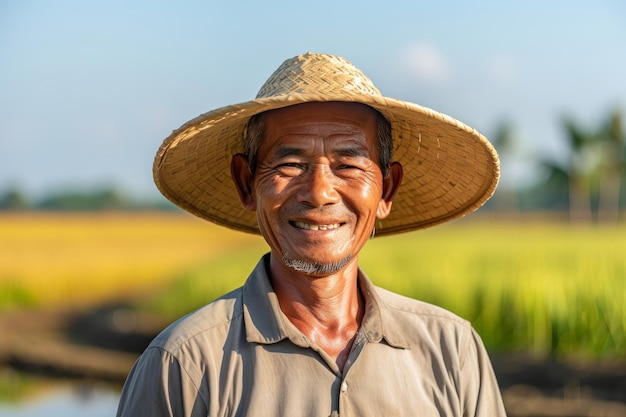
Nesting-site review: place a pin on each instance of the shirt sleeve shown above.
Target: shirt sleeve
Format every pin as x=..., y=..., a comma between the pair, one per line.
x=157, y=386
x=481, y=394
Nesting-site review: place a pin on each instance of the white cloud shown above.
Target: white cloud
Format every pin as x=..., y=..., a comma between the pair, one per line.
x=426, y=61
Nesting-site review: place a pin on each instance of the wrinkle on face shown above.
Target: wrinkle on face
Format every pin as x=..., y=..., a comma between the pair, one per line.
x=317, y=186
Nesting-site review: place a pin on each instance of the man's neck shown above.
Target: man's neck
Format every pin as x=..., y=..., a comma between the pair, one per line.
x=328, y=310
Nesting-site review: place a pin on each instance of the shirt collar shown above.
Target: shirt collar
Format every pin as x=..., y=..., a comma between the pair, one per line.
x=265, y=322
x=378, y=323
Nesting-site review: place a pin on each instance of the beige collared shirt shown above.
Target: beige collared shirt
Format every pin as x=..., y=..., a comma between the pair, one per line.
x=240, y=356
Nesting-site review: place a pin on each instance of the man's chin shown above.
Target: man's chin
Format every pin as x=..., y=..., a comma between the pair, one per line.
x=313, y=268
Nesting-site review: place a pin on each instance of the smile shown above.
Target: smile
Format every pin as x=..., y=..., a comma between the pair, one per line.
x=307, y=226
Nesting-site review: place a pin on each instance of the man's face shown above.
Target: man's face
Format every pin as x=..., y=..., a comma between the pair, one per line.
x=318, y=189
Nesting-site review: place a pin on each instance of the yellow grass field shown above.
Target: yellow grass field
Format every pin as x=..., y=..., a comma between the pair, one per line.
x=531, y=284
x=73, y=260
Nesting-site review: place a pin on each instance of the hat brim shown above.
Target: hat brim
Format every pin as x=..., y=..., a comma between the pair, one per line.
x=449, y=168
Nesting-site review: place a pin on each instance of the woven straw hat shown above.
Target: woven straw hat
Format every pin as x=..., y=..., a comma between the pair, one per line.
x=449, y=168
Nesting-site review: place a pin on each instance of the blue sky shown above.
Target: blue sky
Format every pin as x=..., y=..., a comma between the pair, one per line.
x=88, y=90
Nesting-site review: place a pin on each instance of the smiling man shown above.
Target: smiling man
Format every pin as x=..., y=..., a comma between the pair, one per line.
x=315, y=162
x=317, y=191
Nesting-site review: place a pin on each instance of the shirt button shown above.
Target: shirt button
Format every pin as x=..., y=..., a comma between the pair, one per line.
x=344, y=387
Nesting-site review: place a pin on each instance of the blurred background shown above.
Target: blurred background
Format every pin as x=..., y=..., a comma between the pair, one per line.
x=94, y=262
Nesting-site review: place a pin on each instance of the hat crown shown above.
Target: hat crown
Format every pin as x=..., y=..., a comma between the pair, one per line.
x=317, y=74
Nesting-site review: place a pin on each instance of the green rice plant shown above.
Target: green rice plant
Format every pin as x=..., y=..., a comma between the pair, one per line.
x=205, y=282
x=542, y=288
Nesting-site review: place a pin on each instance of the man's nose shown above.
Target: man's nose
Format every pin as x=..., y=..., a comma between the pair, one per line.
x=320, y=187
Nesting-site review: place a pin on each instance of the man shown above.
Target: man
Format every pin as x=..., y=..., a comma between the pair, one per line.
x=311, y=167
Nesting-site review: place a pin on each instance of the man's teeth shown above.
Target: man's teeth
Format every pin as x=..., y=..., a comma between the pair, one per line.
x=308, y=226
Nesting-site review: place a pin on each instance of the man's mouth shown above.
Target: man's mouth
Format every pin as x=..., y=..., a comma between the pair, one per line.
x=308, y=226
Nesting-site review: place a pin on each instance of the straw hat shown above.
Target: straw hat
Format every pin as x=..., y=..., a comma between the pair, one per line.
x=449, y=168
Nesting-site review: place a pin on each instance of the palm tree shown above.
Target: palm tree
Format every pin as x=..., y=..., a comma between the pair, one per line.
x=612, y=167
x=505, y=142
x=581, y=168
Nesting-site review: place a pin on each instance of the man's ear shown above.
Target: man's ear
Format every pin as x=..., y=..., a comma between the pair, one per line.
x=242, y=177
x=391, y=184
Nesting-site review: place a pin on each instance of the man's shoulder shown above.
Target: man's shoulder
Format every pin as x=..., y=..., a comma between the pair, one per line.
x=212, y=319
x=401, y=305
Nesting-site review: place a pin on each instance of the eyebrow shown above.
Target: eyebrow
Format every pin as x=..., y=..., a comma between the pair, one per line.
x=353, y=151
x=285, y=151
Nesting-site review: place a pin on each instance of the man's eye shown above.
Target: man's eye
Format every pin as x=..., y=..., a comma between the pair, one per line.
x=290, y=168
x=291, y=165
x=346, y=166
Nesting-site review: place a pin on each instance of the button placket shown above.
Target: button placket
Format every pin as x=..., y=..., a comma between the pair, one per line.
x=358, y=345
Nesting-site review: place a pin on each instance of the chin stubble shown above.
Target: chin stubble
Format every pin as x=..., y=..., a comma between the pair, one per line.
x=314, y=268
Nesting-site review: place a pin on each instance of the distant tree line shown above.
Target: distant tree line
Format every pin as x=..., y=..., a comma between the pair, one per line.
x=588, y=183
x=14, y=199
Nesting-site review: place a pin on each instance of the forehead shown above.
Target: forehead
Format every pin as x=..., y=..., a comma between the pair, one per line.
x=320, y=119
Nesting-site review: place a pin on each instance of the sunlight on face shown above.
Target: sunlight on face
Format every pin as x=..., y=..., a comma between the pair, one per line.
x=318, y=186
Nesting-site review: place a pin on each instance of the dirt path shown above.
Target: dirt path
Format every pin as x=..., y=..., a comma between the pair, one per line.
x=543, y=388
x=103, y=344
x=39, y=342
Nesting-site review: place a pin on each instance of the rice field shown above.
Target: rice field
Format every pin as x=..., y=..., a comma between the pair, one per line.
x=544, y=287
x=547, y=288
x=71, y=261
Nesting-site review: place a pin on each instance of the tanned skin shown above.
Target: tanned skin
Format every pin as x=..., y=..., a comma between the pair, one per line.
x=317, y=191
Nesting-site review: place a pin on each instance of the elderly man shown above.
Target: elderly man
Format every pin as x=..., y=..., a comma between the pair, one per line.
x=315, y=162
